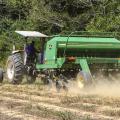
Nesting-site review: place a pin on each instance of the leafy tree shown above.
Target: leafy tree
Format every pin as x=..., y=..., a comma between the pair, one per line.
x=56, y=16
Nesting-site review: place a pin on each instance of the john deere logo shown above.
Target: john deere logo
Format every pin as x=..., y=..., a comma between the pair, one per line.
x=50, y=46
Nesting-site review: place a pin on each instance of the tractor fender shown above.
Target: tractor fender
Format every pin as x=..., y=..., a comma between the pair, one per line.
x=17, y=51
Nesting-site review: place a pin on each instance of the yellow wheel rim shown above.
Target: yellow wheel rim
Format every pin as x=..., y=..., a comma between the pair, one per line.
x=80, y=80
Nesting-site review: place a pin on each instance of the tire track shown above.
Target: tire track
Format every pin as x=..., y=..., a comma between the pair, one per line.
x=6, y=114
x=19, y=98
x=55, y=108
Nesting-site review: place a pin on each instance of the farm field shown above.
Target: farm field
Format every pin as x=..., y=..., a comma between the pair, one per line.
x=36, y=102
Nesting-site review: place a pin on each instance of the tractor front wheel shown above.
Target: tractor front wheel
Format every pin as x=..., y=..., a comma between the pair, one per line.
x=30, y=78
x=30, y=75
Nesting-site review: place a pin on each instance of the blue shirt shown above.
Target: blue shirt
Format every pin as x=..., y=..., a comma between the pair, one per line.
x=30, y=49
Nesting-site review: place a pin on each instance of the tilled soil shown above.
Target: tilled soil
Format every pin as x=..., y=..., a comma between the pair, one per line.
x=35, y=102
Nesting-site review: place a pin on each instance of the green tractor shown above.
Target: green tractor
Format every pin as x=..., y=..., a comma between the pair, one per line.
x=63, y=57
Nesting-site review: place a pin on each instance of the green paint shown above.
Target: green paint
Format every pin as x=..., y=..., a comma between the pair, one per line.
x=84, y=65
x=80, y=48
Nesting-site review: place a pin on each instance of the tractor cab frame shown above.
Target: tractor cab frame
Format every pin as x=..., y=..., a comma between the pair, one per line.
x=33, y=35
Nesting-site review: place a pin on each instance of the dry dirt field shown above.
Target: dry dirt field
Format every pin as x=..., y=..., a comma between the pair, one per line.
x=35, y=102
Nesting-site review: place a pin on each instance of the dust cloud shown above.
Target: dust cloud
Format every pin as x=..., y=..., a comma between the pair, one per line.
x=102, y=86
x=106, y=88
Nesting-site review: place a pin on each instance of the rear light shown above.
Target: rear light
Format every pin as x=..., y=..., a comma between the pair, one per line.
x=71, y=59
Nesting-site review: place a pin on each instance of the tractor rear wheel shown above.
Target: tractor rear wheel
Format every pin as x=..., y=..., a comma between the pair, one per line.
x=15, y=68
x=1, y=75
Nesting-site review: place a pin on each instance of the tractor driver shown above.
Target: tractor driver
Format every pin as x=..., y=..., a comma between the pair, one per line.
x=31, y=52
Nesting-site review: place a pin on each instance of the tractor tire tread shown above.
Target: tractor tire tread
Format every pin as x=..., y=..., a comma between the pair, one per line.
x=18, y=64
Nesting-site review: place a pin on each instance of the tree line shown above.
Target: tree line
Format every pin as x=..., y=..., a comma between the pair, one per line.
x=56, y=16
